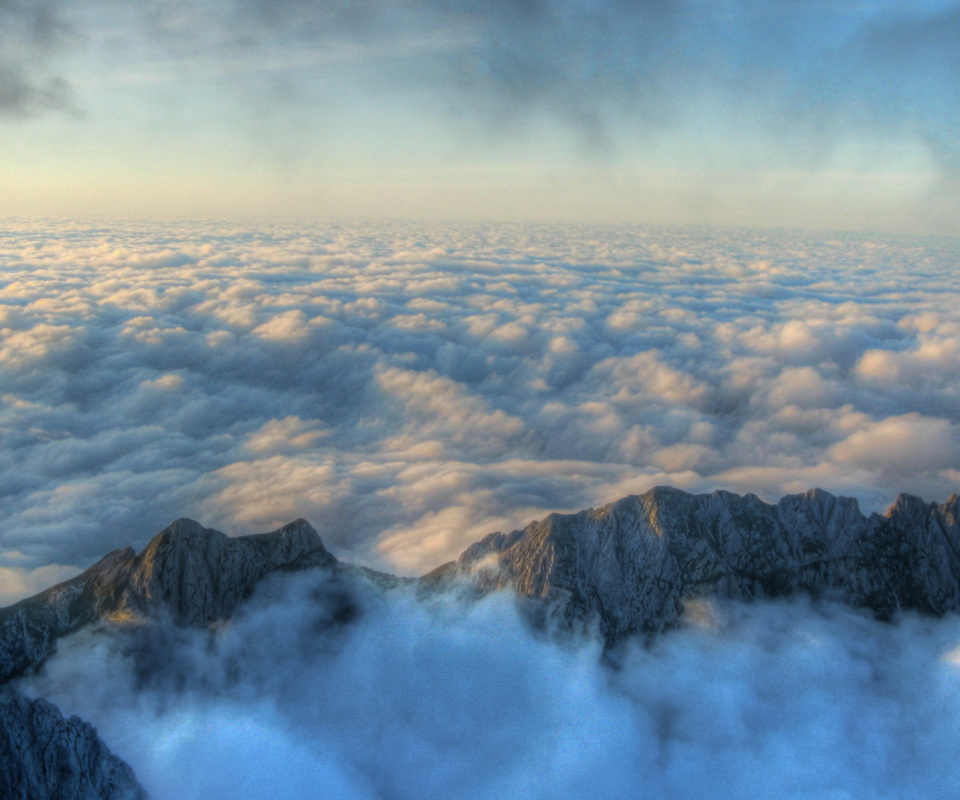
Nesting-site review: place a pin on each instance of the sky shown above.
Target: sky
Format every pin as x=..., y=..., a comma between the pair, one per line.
x=799, y=114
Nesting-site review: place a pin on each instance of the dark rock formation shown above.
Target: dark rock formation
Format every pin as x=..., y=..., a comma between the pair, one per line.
x=191, y=574
x=630, y=567
x=29, y=629
x=47, y=757
x=198, y=575
x=633, y=564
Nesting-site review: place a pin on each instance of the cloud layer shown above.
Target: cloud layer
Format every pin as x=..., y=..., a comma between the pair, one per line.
x=411, y=388
x=436, y=699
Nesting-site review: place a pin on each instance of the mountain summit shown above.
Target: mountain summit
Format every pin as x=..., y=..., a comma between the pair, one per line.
x=630, y=567
x=633, y=564
x=188, y=573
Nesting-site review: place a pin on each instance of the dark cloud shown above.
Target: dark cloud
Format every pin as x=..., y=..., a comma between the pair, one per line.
x=31, y=35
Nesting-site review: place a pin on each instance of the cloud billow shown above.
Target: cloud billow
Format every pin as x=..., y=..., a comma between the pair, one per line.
x=419, y=698
x=410, y=388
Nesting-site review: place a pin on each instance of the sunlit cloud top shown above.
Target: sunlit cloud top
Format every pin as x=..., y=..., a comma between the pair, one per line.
x=409, y=388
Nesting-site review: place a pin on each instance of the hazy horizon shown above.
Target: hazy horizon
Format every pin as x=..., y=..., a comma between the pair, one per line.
x=835, y=115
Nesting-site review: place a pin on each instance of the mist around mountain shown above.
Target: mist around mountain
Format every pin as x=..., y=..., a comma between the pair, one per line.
x=611, y=652
x=547, y=662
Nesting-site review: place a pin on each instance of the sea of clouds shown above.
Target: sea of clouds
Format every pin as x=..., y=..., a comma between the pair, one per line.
x=409, y=388
x=433, y=699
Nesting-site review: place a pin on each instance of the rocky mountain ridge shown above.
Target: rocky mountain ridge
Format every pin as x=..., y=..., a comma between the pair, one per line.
x=633, y=564
x=627, y=568
x=48, y=756
x=188, y=573
x=630, y=564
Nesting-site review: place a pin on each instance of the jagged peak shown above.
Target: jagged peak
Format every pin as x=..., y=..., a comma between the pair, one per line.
x=186, y=526
x=908, y=504
x=299, y=527
x=299, y=522
x=186, y=532
x=182, y=531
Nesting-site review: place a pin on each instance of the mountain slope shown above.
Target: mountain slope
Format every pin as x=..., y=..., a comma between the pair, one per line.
x=191, y=574
x=47, y=757
x=631, y=565
x=634, y=563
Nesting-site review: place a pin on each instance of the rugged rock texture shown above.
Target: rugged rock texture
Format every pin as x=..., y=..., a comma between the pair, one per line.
x=188, y=574
x=29, y=630
x=198, y=575
x=192, y=574
x=634, y=563
x=47, y=757
x=631, y=566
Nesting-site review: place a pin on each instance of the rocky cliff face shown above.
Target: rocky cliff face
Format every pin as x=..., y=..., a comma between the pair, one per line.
x=631, y=566
x=634, y=563
x=191, y=574
x=47, y=757
x=198, y=575
x=188, y=574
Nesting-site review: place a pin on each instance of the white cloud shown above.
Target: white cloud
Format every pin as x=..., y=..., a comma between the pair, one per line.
x=437, y=699
x=904, y=444
x=409, y=387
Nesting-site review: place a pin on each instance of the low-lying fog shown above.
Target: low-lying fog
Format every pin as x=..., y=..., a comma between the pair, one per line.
x=300, y=696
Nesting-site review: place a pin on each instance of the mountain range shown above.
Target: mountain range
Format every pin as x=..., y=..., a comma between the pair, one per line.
x=631, y=568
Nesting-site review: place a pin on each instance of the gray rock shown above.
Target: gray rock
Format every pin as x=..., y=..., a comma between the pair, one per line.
x=29, y=629
x=188, y=573
x=632, y=565
x=47, y=757
x=198, y=575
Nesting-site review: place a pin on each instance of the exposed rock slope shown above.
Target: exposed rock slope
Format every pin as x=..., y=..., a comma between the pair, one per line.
x=199, y=575
x=47, y=757
x=630, y=565
x=633, y=563
x=192, y=574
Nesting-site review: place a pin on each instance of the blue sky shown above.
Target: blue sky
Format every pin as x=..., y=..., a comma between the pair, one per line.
x=811, y=114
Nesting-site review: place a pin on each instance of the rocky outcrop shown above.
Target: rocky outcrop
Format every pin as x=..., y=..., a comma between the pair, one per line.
x=47, y=757
x=198, y=575
x=29, y=629
x=633, y=564
x=188, y=573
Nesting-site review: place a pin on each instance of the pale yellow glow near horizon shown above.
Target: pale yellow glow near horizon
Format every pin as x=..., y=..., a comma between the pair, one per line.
x=893, y=202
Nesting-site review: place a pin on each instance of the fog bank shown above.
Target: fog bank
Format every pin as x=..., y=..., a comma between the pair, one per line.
x=430, y=700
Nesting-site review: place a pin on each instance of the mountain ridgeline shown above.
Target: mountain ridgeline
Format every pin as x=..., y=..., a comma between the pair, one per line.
x=187, y=573
x=628, y=568
x=633, y=564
